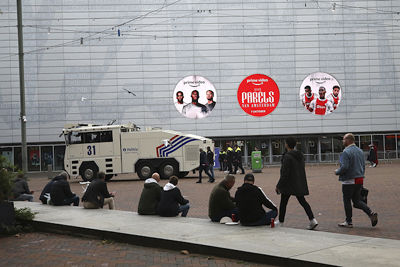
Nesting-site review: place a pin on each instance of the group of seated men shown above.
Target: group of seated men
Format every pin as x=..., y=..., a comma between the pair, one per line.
x=246, y=206
x=165, y=201
x=57, y=192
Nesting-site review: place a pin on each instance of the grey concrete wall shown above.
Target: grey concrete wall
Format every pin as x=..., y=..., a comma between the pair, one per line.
x=163, y=41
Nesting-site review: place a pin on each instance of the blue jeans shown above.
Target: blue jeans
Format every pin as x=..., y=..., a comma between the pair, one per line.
x=24, y=197
x=265, y=220
x=211, y=169
x=69, y=201
x=184, y=209
x=206, y=170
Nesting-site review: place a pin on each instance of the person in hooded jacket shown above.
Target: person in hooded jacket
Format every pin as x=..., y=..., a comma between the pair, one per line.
x=21, y=189
x=151, y=195
x=172, y=202
x=46, y=190
x=293, y=182
x=61, y=195
x=249, y=200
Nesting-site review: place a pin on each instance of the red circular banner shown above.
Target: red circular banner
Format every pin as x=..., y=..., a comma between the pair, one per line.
x=258, y=95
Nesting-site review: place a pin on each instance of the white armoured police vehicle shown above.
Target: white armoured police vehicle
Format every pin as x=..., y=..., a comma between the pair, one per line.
x=117, y=149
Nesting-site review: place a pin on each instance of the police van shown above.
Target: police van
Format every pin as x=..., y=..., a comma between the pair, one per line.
x=118, y=149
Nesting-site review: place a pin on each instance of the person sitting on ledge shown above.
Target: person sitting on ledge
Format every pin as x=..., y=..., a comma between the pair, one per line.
x=21, y=189
x=172, y=202
x=150, y=196
x=220, y=203
x=45, y=195
x=249, y=200
x=61, y=195
x=97, y=195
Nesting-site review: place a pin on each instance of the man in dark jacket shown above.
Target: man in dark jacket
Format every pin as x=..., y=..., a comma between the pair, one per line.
x=21, y=189
x=172, y=202
x=249, y=200
x=210, y=160
x=293, y=182
x=237, y=159
x=229, y=159
x=204, y=167
x=221, y=204
x=60, y=194
x=45, y=195
x=97, y=195
x=151, y=195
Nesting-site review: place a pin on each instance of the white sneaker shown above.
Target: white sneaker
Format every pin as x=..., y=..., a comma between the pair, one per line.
x=313, y=224
x=345, y=224
x=278, y=223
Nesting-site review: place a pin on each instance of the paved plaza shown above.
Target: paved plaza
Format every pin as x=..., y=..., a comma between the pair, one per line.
x=325, y=197
x=325, y=200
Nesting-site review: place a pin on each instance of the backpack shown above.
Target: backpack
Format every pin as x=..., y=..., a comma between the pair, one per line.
x=364, y=194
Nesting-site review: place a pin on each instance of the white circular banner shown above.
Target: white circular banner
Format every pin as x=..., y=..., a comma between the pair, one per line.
x=320, y=93
x=195, y=97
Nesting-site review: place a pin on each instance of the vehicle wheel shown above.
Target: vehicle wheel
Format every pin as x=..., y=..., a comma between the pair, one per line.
x=168, y=169
x=145, y=170
x=183, y=174
x=88, y=170
x=109, y=176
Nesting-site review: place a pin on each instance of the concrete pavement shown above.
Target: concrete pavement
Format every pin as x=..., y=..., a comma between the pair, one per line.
x=279, y=245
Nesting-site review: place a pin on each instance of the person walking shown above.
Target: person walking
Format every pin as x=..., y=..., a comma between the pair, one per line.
x=210, y=159
x=293, y=182
x=351, y=175
x=229, y=159
x=249, y=201
x=222, y=160
x=172, y=202
x=373, y=155
x=237, y=158
x=204, y=167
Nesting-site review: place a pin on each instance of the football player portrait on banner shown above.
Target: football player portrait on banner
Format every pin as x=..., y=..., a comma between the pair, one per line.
x=195, y=97
x=320, y=93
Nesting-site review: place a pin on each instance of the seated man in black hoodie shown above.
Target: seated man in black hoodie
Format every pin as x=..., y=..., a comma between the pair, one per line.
x=172, y=202
x=249, y=200
x=46, y=190
x=61, y=195
x=97, y=195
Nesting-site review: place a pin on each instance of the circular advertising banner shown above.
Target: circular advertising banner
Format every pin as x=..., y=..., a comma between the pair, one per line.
x=258, y=95
x=320, y=93
x=195, y=97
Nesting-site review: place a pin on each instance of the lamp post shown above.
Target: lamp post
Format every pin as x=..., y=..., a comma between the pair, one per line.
x=22, y=116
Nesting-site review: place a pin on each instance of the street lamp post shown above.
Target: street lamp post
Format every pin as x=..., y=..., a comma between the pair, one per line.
x=22, y=116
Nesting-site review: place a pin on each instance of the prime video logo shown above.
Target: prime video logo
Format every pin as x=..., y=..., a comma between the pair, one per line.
x=129, y=149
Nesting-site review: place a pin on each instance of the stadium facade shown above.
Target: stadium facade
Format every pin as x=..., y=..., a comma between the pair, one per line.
x=96, y=61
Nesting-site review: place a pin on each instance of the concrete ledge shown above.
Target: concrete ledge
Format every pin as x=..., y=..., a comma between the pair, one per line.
x=277, y=246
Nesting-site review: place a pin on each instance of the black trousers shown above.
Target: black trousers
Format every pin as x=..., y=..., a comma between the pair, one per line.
x=238, y=164
x=352, y=192
x=301, y=200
